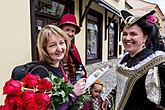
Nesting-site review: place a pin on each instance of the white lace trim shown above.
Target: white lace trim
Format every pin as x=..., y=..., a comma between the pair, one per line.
x=152, y=85
x=143, y=62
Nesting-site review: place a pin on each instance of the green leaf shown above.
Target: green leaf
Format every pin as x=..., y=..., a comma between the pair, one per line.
x=66, y=99
x=58, y=99
x=55, y=94
x=60, y=93
x=56, y=81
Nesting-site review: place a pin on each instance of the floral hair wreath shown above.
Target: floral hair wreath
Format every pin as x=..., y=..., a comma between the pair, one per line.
x=152, y=19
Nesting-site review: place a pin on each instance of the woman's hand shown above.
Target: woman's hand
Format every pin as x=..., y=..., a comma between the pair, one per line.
x=82, y=74
x=79, y=87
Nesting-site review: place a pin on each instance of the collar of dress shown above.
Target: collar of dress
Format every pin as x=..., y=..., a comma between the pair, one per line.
x=143, y=62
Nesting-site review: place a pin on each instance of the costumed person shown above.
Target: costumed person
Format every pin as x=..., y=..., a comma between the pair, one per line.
x=140, y=73
x=111, y=100
x=96, y=102
x=68, y=24
x=52, y=48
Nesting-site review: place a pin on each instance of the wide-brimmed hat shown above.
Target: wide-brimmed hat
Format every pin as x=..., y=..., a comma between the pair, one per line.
x=71, y=20
x=128, y=18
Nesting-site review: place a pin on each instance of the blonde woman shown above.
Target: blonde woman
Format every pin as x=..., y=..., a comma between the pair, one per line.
x=52, y=48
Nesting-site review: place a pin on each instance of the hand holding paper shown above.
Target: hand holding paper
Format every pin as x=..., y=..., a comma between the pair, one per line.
x=96, y=75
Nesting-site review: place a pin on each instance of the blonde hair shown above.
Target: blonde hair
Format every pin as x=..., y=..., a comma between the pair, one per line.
x=42, y=41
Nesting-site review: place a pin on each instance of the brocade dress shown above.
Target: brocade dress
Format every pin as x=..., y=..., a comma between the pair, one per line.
x=141, y=81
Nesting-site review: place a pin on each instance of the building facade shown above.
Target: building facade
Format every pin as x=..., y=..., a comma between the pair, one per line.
x=21, y=20
x=142, y=6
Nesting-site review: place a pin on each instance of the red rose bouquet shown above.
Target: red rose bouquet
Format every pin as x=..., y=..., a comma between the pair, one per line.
x=33, y=93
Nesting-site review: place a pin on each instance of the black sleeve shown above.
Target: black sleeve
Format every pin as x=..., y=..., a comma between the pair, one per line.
x=40, y=70
x=18, y=73
x=162, y=83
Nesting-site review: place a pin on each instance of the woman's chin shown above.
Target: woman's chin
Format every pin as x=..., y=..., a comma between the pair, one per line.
x=59, y=57
x=129, y=50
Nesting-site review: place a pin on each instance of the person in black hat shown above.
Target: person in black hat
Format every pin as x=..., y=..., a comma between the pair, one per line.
x=140, y=73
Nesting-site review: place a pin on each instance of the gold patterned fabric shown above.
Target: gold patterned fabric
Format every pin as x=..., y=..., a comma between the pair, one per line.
x=128, y=76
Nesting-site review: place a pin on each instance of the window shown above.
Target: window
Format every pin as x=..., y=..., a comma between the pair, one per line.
x=93, y=37
x=112, y=39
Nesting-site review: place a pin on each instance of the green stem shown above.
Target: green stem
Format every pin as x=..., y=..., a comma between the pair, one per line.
x=24, y=89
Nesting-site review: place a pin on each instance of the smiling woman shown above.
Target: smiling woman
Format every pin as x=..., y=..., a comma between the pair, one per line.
x=140, y=73
x=56, y=48
x=52, y=44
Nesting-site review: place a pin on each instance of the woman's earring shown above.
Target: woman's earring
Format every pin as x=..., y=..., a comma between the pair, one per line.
x=144, y=46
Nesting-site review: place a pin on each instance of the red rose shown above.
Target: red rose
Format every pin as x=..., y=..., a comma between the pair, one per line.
x=12, y=87
x=44, y=85
x=10, y=102
x=20, y=99
x=24, y=98
x=41, y=101
x=30, y=80
x=29, y=94
x=4, y=107
x=20, y=108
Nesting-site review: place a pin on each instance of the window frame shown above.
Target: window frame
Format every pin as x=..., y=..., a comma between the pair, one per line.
x=115, y=38
x=99, y=17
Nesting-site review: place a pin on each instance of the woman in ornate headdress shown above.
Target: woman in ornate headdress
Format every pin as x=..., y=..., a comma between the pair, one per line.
x=141, y=77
